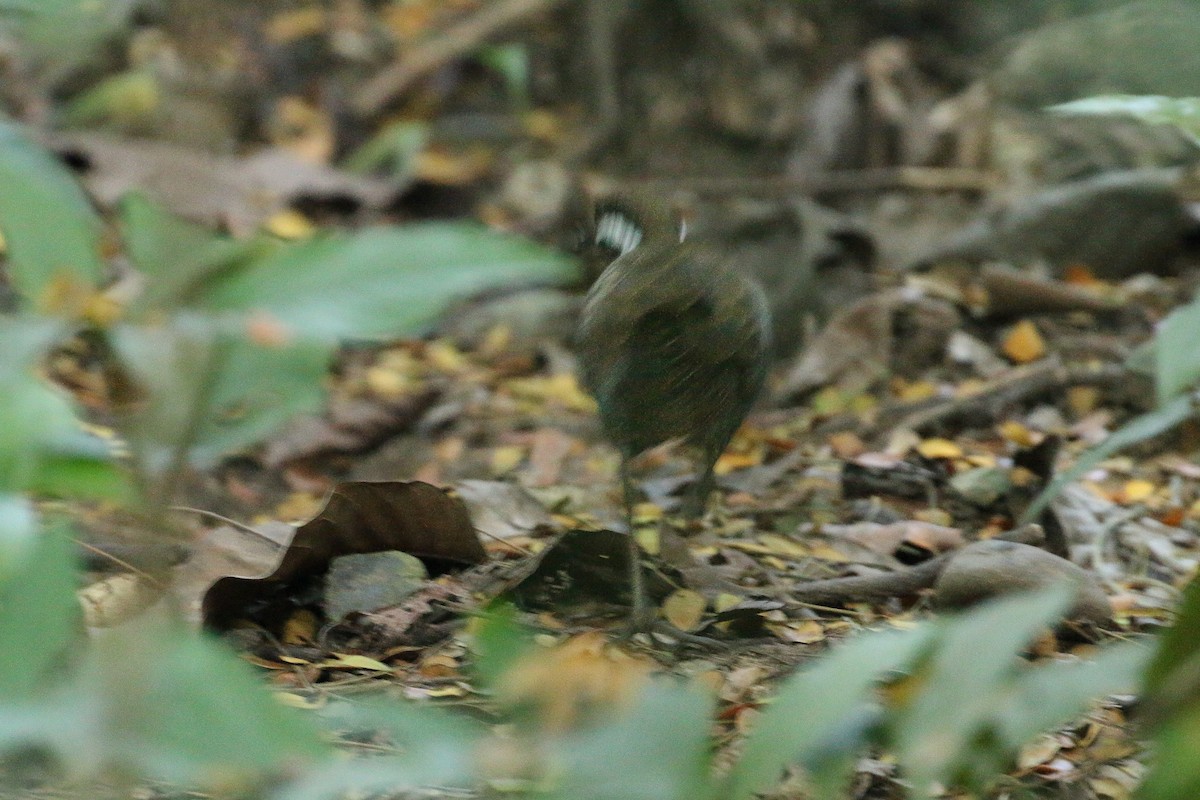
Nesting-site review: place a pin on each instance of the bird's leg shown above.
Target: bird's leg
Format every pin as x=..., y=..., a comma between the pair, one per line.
x=639, y=619
x=697, y=501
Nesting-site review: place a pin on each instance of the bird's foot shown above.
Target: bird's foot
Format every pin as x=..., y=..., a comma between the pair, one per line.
x=651, y=630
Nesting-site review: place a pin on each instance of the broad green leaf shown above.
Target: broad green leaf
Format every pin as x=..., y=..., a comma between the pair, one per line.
x=814, y=713
x=61, y=34
x=1182, y=112
x=382, y=281
x=177, y=256
x=1180, y=643
x=212, y=390
x=50, y=228
x=1173, y=413
x=39, y=614
x=436, y=747
x=1177, y=358
x=658, y=750
x=178, y=706
x=1175, y=774
x=18, y=533
x=121, y=101
x=966, y=684
x=42, y=447
x=500, y=642
x=83, y=474
x=1044, y=696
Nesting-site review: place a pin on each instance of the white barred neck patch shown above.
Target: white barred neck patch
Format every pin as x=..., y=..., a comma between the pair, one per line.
x=617, y=231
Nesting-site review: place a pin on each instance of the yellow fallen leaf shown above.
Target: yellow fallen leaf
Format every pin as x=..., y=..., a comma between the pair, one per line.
x=300, y=628
x=440, y=666
x=805, y=632
x=1083, y=400
x=388, y=383
x=1017, y=433
x=445, y=357
x=297, y=701
x=289, y=26
x=444, y=691
x=1136, y=490
x=648, y=539
x=783, y=546
x=1023, y=343
x=684, y=609
x=506, y=458
x=935, y=516
x=728, y=462
x=352, y=661
x=916, y=390
x=725, y=601
x=289, y=225
x=939, y=448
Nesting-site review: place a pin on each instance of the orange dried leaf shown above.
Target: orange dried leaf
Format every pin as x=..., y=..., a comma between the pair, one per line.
x=728, y=462
x=1024, y=343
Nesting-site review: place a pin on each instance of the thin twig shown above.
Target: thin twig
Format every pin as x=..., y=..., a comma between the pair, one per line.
x=120, y=562
x=842, y=180
x=241, y=526
x=457, y=40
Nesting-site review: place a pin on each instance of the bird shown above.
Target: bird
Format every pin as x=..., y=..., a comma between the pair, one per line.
x=674, y=343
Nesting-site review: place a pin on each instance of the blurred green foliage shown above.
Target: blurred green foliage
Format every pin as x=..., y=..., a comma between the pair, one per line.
x=153, y=700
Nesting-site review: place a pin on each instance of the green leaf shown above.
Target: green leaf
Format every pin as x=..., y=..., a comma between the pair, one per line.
x=42, y=447
x=815, y=710
x=50, y=227
x=176, y=256
x=1175, y=774
x=436, y=746
x=211, y=390
x=382, y=281
x=1049, y=695
x=1177, y=359
x=79, y=466
x=500, y=642
x=1173, y=413
x=393, y=151
x=124, y=100
x=1178, y=646
x=64, y=33
x=659, y=750
x=966, y=683
x=18, y=532
x=177, y=706
x=1182, y=112
x=511, y=61
x=39, y=614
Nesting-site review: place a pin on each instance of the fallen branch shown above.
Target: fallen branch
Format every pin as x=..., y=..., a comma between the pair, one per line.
x=457, y=40
x=933, y=179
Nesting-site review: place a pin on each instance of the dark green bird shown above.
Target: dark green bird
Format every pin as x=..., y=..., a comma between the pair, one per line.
x=673, y=342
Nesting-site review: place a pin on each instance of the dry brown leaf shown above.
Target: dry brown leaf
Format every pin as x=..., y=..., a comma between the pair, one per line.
x=359, y=517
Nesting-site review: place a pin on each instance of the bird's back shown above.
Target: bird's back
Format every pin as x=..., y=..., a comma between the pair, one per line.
x=673, y=342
